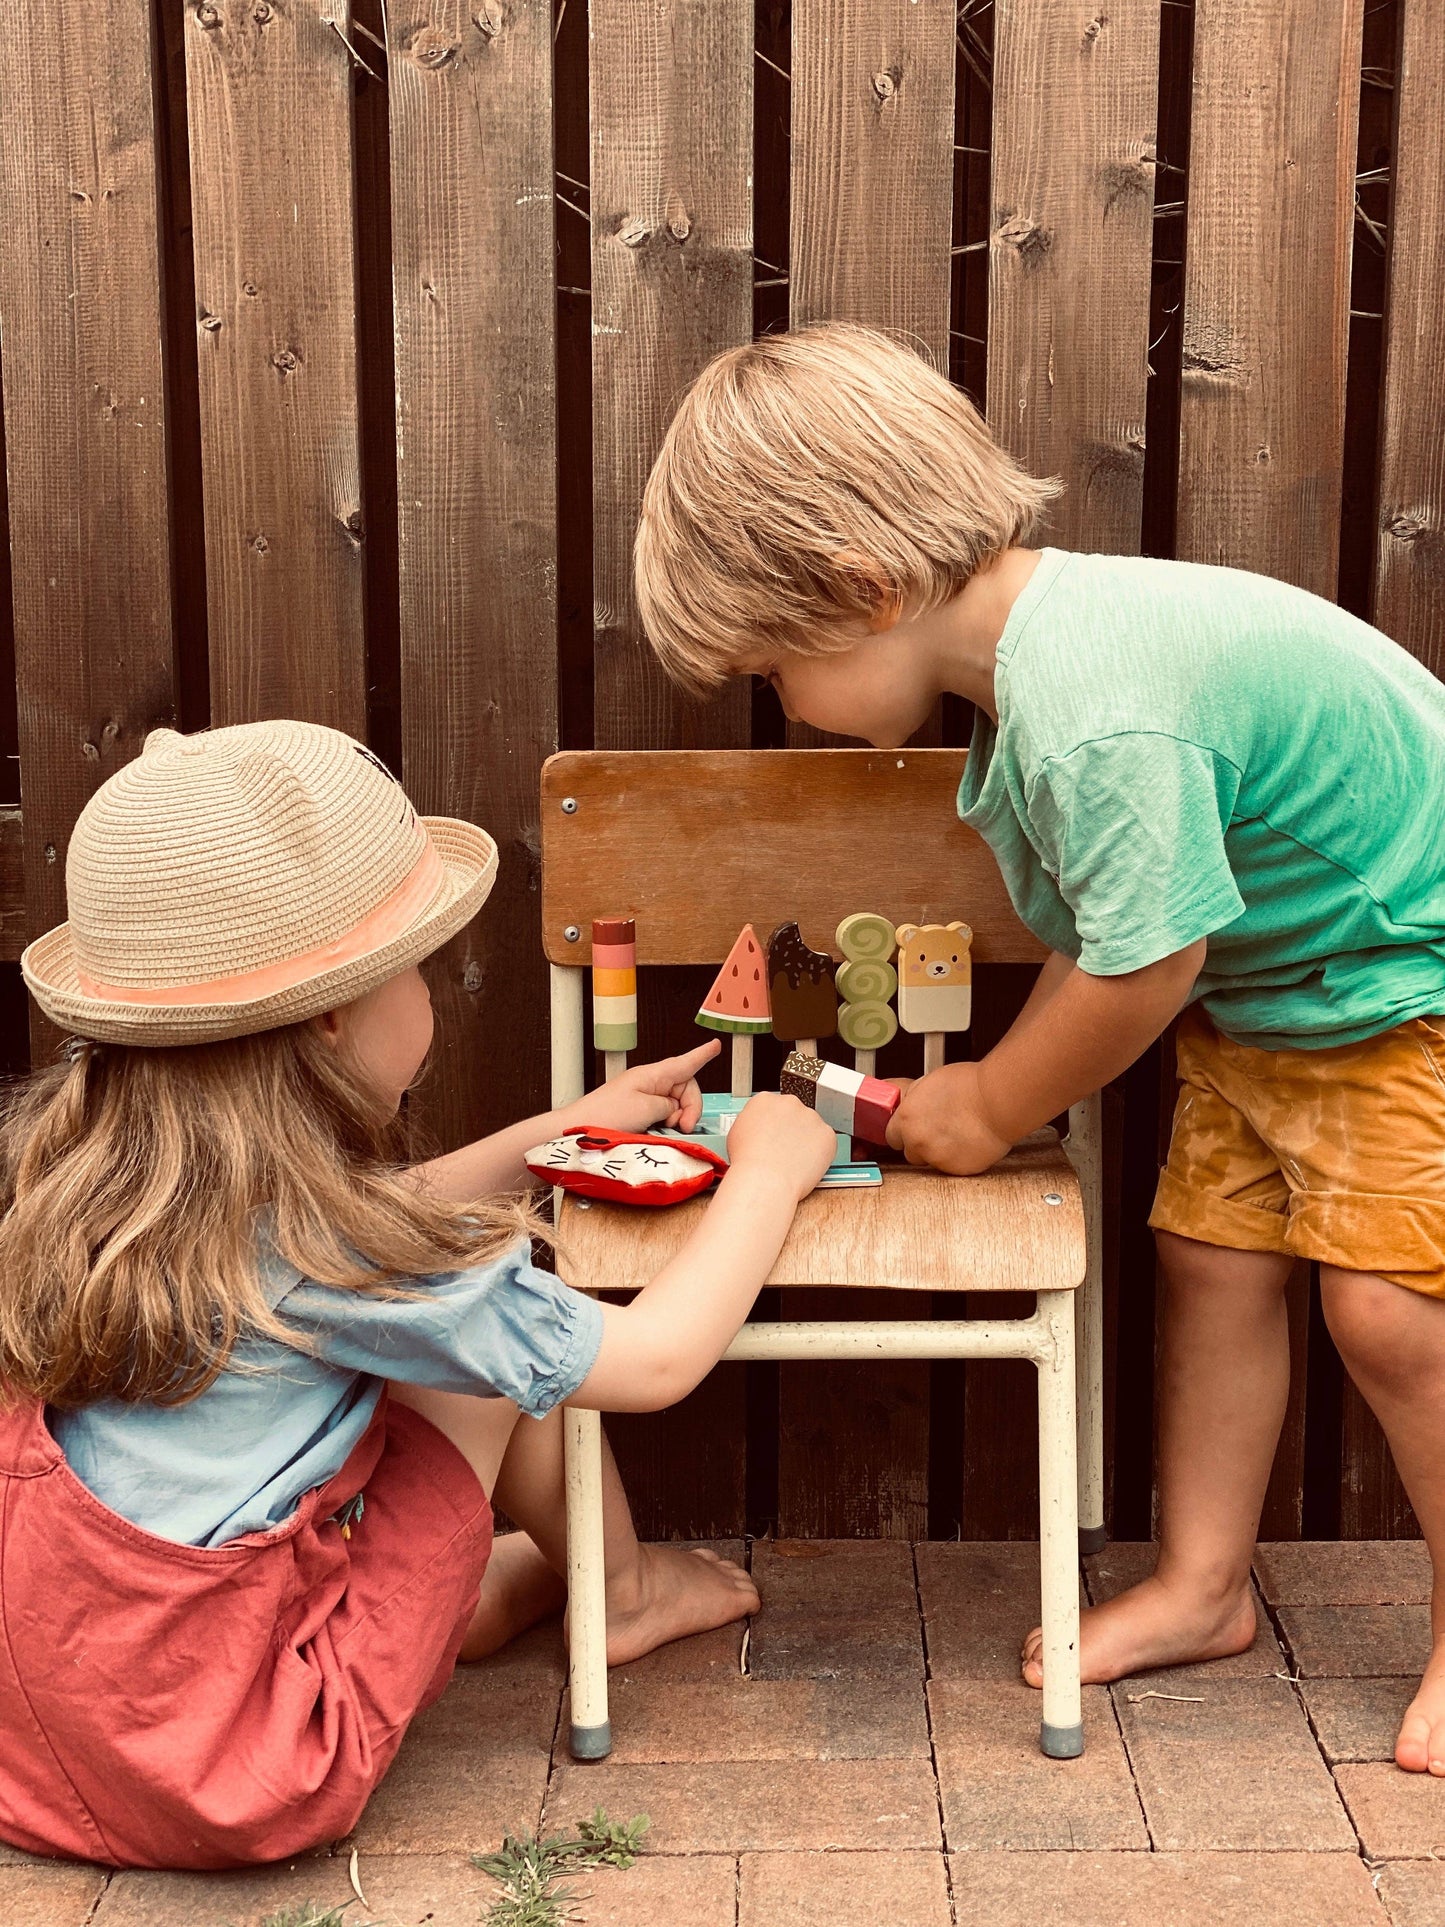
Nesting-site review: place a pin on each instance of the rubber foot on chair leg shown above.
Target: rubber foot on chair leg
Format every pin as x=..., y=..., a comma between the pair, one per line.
x=1092, y=1539
x=1061, y=1742
x=592, y=1742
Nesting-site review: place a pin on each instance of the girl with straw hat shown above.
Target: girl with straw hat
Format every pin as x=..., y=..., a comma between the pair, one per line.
x=262, y=1381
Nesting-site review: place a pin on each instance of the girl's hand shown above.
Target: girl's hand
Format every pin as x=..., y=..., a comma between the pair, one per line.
x=782, y=1137
x=647, y=1095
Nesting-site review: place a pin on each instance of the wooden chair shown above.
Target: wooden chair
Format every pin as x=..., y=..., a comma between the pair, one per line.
x=692, y=844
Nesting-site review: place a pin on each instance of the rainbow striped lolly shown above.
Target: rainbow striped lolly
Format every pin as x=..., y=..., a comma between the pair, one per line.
x=614, y=983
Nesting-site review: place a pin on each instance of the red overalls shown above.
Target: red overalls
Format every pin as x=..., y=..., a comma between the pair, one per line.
x=164, y=1705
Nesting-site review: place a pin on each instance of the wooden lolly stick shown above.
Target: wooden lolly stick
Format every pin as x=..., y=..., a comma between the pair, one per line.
x=866, y=1061
x=614, y=1063
x=807, y=1045
x=742, y=1064
x=934, y=1043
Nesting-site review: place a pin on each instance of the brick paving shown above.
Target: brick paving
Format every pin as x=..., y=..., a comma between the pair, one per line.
x=868, y=1758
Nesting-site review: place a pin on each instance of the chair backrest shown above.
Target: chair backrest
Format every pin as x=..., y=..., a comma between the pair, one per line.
x=695, y=843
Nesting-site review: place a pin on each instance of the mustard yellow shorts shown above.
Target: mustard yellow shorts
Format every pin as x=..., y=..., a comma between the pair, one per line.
x=1332, y=1154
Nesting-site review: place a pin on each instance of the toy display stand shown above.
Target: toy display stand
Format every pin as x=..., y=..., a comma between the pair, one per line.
x=718, y=1112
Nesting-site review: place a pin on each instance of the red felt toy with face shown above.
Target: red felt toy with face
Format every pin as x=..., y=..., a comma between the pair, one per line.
x=624, y=1167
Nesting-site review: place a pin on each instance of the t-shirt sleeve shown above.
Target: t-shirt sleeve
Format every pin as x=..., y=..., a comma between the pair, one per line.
x=1134, y=827
x=502, y=1330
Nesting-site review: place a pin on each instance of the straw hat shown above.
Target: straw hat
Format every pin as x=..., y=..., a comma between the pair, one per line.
x=243, y=878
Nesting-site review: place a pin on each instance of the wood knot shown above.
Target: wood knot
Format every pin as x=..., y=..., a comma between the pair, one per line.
x=261, y=13
x=352, y=525
x=679, y=225
x=632, y=233
x=1095, y=27
x=284, y=360
x=431, y=48
x=90, y=752
x=488, y=19
x=885, y=84
x=207, y=15
x=259, y=544
x=1030, y=240
x=472, y=977
x=210, y=322
x=250, y=288
x=1406, y=527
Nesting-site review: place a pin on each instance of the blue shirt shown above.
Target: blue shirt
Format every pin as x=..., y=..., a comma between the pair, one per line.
x=279, y=1422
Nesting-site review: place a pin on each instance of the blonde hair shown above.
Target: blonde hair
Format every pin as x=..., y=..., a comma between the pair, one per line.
x=136, y=1182
x=806, y=479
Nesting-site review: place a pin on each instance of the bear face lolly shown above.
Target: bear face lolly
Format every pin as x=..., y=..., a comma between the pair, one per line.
x=800, y=981
x=935, y=977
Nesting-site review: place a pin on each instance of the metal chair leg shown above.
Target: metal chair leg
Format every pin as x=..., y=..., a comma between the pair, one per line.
x=1085, y=1147
x=591, y=1735
x=1062, y=1732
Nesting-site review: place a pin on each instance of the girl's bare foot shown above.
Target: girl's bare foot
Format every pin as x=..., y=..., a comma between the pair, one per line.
x=670, y=1592
x=518, y=1589
x=1420, y=1747
x=1154, y=1624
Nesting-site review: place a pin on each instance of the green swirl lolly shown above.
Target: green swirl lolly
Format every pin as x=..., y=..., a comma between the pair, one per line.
x=867, y=1026
x=866, y=937
x=861, y=982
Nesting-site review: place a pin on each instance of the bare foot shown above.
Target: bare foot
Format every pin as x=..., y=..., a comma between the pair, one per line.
x=518, y=1589
x=670, y=1593
x=1420, y=1747
x=1153, y=1624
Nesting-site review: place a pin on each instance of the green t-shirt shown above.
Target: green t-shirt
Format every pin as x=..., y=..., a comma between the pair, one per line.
x=1187, y=752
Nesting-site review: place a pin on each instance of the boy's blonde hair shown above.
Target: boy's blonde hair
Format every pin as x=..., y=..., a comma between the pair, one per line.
x=138, y=1182
x=810, y=480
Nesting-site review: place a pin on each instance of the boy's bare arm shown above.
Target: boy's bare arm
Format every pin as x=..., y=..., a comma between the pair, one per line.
x=965, y=1117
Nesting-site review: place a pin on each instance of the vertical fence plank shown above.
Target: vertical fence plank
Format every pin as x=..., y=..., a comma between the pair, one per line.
x=872, y=165
x=473, y=235
x=1410, y=571
x=1075, y=114
x=871, y=223
x=85, y=440
x=1072, y=192
x=272, y=197
x=671, y=88
x=1266, y=289
x=672, y=142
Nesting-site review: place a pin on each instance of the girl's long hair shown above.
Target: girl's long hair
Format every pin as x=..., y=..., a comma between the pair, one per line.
x=135, y=1184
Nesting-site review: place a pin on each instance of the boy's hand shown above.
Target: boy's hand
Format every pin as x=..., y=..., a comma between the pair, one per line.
x=781, y=1136
x=647, y=1095
x=940, y=1121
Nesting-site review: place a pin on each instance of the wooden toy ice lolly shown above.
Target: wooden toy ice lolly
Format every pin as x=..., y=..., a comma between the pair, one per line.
x=935, y=983
x=614, y=989
x=800, y=984
x=856, y=1105
x=866, y=982
x=738, y=1004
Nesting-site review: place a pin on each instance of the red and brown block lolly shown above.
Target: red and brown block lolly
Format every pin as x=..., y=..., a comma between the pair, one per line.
x=802, y=993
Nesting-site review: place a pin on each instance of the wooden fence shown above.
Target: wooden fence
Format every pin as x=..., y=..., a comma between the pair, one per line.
x=338, y=337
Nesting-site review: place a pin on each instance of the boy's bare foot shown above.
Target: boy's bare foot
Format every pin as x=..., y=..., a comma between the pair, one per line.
x=1420, y=1747
x=1153, y=1624
x=518, y=1589
x=673, y=1591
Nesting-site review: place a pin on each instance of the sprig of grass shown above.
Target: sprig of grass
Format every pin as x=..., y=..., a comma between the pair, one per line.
x=310, y=1914
x=529, y=1870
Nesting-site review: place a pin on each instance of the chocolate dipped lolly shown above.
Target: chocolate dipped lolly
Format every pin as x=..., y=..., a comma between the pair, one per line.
x=800, y=982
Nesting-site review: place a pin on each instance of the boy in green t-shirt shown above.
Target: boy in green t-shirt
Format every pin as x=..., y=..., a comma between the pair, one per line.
x=1204, y=789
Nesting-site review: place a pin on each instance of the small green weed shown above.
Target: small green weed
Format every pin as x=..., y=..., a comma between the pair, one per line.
x=530, y=1870
x=309, y=1914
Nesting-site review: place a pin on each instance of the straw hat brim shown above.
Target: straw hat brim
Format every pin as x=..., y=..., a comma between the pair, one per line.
x=469, y=869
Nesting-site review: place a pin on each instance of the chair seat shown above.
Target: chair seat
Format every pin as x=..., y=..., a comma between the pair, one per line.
x=1018, y=1227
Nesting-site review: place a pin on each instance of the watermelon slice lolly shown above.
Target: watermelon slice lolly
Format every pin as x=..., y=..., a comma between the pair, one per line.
x=739, y=1003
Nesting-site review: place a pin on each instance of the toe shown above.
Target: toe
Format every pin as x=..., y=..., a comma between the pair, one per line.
x=1413, y=1746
